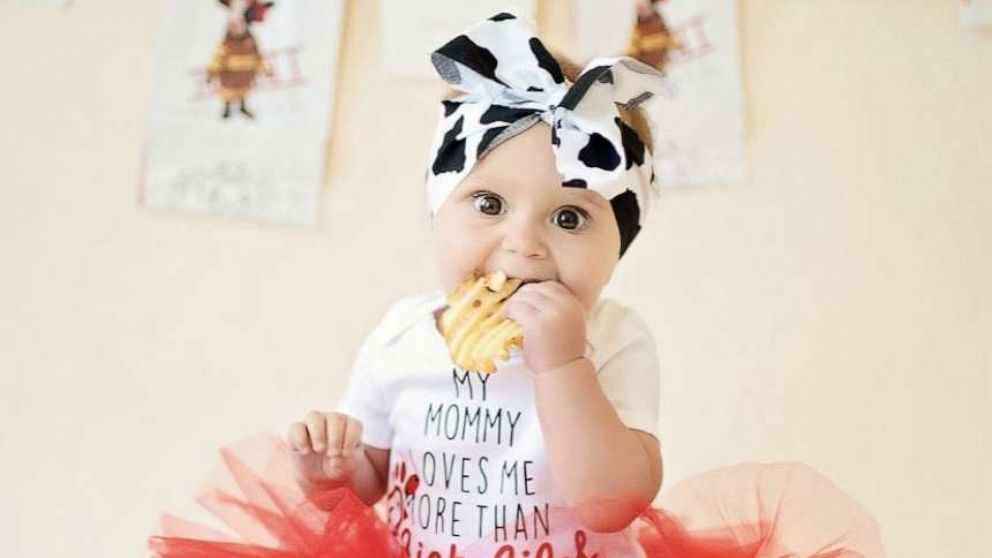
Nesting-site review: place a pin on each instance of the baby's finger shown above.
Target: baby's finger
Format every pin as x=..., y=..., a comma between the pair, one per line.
x=336, y=423
x=518, y=310
x=352, y=436
x=318, y=431
x=552, y=289
x=526, y=297
x=535, y=295
x=299, y=440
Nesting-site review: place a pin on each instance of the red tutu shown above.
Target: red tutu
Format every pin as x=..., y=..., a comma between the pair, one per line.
x=254, y=493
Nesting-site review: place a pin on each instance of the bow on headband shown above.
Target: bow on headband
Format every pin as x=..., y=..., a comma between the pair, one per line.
x=510, y=82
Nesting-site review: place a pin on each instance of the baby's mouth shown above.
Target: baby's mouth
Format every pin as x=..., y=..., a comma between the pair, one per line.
x=523, y=280
x=498, y=278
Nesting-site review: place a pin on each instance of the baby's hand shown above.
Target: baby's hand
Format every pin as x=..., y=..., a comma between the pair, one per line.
x=553, y=322
x=326, y=447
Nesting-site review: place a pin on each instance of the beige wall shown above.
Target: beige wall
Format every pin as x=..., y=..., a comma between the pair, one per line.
x=835, y=310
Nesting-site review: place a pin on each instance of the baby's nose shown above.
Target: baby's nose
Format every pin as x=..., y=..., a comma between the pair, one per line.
x=525, y=241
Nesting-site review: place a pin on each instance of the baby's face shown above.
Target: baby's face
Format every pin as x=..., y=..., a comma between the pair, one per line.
x=511, y=213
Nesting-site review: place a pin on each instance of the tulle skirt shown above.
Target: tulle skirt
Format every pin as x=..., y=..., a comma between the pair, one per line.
x=750, y=510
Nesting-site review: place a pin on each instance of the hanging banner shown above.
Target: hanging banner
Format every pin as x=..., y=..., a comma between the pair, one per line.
x=699, y=123
x=240, y=111
x=976, y=14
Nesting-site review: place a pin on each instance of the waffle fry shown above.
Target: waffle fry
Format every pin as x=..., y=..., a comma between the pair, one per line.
x=474, y=331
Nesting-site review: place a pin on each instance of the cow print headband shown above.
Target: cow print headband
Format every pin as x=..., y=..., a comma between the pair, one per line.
x=510, y=82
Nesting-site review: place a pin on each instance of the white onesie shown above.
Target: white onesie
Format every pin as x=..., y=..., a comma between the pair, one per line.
x=468, y=472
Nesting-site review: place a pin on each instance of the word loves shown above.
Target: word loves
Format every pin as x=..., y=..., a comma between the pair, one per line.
x=544, y=550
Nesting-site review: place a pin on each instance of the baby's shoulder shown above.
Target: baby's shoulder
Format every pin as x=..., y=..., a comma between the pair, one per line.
x=610, y=318
x=405, y=312
x=612, y=326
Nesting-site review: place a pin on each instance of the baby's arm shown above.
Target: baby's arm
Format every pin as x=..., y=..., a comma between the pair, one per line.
x=328, y=454
x=606, y=471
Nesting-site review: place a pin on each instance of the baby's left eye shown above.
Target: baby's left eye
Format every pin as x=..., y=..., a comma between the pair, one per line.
x=570, y=218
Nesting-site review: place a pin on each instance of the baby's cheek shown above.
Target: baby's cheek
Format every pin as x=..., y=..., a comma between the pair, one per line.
x=586, y=294
x=590, y=278
x=454, y=266
x=586, y=299
x=449, y=275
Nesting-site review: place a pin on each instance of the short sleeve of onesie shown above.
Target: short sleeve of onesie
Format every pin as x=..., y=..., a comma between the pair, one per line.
x=624, y=354
x=364, y=398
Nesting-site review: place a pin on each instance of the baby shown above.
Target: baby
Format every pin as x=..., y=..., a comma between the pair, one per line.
x=545, y=173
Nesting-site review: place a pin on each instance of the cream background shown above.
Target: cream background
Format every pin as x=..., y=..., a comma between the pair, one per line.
x=835, y=311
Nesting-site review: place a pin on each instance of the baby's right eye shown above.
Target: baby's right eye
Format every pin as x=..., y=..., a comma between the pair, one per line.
x=487, y=203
